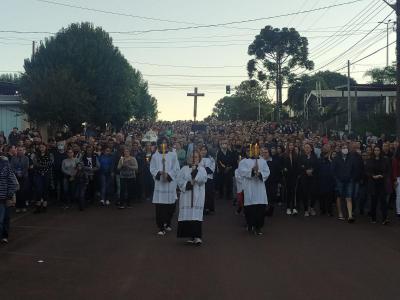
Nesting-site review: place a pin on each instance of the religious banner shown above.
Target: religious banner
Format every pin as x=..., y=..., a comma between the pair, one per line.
x=150, y=136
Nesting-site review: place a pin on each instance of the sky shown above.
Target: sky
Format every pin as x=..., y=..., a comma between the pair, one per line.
x=175, y=61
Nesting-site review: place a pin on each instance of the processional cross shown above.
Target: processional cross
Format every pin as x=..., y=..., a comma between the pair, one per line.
x=195, y=95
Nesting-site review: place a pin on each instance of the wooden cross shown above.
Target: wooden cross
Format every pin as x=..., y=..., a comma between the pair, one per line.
x=195, y=95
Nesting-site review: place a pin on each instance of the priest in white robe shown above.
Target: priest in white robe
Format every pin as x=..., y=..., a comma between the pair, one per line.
x=208, y=163
x=254, y=172
x=164, y=167
x=191, y=181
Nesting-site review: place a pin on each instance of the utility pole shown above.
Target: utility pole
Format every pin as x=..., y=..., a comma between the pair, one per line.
x=348, y=98
x=33, y=48
x=396, y=7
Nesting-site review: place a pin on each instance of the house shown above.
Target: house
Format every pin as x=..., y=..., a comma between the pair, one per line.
x=10, y=112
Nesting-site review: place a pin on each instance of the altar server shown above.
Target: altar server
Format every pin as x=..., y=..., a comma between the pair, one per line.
x=164, y=167
x=254, y=172
x=191, y=181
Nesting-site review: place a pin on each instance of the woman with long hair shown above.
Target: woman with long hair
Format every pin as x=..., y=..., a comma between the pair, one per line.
x=290, y=178
x=42, y=165
x=377, y=171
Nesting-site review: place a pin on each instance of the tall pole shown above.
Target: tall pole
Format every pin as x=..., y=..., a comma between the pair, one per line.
x=398, y=70
x=387, y=43
x=348, y=98
x=33, y=48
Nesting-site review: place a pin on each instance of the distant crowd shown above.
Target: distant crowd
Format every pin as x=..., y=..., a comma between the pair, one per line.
x=309, y=172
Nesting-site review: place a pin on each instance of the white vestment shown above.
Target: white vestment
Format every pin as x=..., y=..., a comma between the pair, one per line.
x=186, y=211
x=254, y=188
x=208, y=162
x=164, y=191
x=239, y=181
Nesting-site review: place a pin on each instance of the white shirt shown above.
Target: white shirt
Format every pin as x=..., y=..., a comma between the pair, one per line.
x=186, y=211
x=253, y=187
x=164, y=191
x=208, y=162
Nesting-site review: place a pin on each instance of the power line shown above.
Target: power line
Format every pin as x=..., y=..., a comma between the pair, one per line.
x=121, y=14
x=189, y=67
x=367, y=56
x=185, y=47
x=195, y=76
x=351, y=47
x=335, y=39
x=242, y=21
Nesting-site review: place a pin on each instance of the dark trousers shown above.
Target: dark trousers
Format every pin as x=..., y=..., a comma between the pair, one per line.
x=325, y=202
x=80, y=194
x=148, y=186
x=308, y=193
x=255, y=215
x=379, y=197
x=41, y=185
x=91, y=189
x=225, y=185
x=69, y=191
x=4, y=221
x=209, y=204
x=272, y=192
x=21, y=194
x=127, y=188
x=164, y=214
x=291, y=187
x=105, y=186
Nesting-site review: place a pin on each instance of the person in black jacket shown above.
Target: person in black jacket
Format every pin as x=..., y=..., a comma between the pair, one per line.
x=290, y=178
x=271, y=184
x=308, y=167
x=343, y=171
x=326, y=181
x=358, y=175
x=377, y=171
x=225, y=163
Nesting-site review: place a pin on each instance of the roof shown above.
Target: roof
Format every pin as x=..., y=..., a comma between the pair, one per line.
x=368, y=87
x=10, y=100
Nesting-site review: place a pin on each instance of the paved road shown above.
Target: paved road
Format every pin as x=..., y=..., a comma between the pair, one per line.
x=105, y=253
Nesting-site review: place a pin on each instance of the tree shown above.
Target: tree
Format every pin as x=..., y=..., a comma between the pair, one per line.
x=386, y=75
x=145, y=106
x=78, y=76
x=244, y=104
x=306, y=83
x=277, y=53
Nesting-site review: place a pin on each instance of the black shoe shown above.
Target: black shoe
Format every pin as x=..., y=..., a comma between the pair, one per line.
x=351, y=220
x=386, y=222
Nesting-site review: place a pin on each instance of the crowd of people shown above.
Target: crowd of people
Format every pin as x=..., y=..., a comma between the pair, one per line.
x=258, y=166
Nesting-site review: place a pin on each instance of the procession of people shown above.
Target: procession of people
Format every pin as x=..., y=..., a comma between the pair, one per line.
x=184, y=168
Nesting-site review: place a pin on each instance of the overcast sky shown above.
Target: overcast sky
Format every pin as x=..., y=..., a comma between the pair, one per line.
x=175, y=61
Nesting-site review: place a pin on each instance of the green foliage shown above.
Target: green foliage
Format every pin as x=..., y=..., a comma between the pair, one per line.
x=306, y=83
x=277, y=54
x=79, y=76
x=386, y=75
x=380, y=123
x=243, y=105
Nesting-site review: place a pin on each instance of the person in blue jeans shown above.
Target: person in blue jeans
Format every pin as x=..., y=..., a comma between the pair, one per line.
x=343, y=168
x=8, y=187
x=106, y=161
